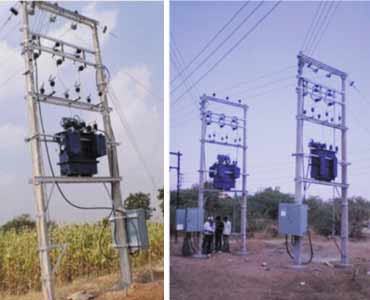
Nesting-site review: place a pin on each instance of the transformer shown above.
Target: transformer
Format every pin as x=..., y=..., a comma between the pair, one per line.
x=224, y=173
x=190, y=219
x=324, y=162
x=79, y=147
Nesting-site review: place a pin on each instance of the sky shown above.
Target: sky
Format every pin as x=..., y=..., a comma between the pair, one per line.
x=262, y=72
x=132, y=49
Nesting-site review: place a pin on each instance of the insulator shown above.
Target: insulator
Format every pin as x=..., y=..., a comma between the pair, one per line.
x=226, y=137
x=328, y=75
x=234, y=123
x=214, y=94
x=319, y=116
x=336, y=148
x=36, y=55
x=326, y=114
x=100, y=94
x=209, y=136
x=240, y=139
x=330, y=103
x=66, y=95
x=214, y=135
x=312, y=109
x=315, y=70
x=81, y=68
x=88, y=99
x=74, y=26
x=332, y=119
x=352, y=83
x=235, y=140
x=52, y=81
x=95, y=126
x=14, y=11
x=221, y=120
x=59, y=61
x=42, y=89
x=57, y=44
x=240, y=101
x=339, y=118
x=77, y=88
x=105, y=29
x=227, y=98
x=304, y=112
x=53, y=18
x=331, y=147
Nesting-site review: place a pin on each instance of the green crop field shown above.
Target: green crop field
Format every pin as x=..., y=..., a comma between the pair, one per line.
x=19, y=261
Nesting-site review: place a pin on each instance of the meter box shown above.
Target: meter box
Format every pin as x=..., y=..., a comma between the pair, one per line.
x=293, y=219
x=136, y=230
x=189, y=219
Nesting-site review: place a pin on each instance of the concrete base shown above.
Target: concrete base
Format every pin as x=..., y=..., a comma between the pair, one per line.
x=297, y=267
x=340, y=265
x=200, y=256
x=241, y=253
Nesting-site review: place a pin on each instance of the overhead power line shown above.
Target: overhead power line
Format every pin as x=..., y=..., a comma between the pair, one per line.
x=230, y=50
x=309, y=31
x=329, y=19
x=210, y=41
x=320, y=27
x=223, y=42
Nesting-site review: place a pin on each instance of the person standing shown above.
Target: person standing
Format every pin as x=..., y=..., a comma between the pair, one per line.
x=219, y=228
x=226, y=234
x=208, y=231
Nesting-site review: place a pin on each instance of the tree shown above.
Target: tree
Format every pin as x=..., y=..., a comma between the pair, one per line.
x=139, y=200
x=160, y=198
x=19, y=223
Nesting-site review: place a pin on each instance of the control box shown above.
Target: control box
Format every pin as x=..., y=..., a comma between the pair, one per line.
x=293, y=219
x=189, y=219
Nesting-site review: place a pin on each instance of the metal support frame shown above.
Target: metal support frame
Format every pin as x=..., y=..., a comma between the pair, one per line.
x=300, y=179
x=39, y=179
x=204, y=100
x=178, y=183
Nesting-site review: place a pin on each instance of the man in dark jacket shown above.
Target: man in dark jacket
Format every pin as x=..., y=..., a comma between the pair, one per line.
x=218, y=233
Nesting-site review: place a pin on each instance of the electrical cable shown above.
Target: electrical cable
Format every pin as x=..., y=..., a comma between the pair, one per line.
x=219, y=46
x=210, y=41
x=322, y=28
x=309, y=31
x=311, y=248
x=326, y=27
x=229, y=51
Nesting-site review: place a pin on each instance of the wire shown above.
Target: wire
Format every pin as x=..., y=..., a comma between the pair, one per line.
x=210, y=41
x=219, y=45
x=230, y=50
x=326, y=27
x=311, y=249
x=309, y=32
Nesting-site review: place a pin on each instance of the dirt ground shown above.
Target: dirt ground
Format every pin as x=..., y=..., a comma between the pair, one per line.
x=102, y=288
x=266, y=273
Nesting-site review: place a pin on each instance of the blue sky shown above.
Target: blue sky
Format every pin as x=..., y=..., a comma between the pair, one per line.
x=133, y=50
x=272, y=48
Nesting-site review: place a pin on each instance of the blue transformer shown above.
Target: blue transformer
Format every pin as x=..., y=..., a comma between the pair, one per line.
x=79, y=148
x=224, y=173
x=324, y=162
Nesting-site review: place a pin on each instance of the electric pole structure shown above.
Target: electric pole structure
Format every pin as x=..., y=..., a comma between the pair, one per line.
x=333, y=103
x=178, y=178
x=34, y=44
x=208, y=118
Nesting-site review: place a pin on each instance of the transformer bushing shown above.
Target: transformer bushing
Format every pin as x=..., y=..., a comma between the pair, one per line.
x=224, y=173
x=79, y=147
